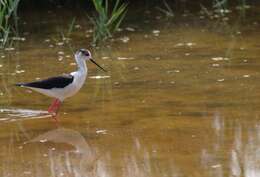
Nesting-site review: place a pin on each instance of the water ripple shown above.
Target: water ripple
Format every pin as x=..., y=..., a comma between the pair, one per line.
x=14, y=114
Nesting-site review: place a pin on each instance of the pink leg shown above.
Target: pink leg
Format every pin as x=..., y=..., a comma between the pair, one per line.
x=53, y=109
x=57, y=106
x=52, y=106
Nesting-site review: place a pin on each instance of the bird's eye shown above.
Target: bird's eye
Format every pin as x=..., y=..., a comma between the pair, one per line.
x=86, y=53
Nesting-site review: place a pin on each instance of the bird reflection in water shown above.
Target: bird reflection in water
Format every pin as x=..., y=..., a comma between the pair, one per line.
x=80, y=161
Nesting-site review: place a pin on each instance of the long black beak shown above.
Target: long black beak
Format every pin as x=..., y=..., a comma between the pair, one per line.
x=97, y=64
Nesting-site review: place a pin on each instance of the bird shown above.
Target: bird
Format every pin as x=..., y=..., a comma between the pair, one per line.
x=63, y=86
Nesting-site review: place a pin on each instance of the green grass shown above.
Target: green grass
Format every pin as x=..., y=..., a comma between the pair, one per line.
x=108, y=19
x=8, y=19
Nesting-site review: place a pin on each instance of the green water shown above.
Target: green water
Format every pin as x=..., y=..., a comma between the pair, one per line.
x=178, y=100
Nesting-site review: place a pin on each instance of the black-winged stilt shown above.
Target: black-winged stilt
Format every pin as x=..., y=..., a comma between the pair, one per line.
x=62, y=87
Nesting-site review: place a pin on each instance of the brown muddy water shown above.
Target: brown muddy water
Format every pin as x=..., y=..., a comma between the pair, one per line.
x=178, y=101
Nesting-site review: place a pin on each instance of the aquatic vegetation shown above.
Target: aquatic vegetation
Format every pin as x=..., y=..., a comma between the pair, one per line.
x=71, y=26
x=107, y=22
x=167, y=10
x=242, y=8
x=220, y=5
x=8, y=19
x=67, y=33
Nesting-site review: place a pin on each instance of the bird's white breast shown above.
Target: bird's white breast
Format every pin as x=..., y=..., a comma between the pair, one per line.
x=78, y=81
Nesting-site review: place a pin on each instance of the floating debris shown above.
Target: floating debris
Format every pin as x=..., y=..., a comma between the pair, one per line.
x=157, y=58
x=190, y=44
x=60, y=43
x=119, y=29
x=9, y=49
x=179, y=45
x=99, y=77
x=89, y=31
x=246, y=75
x=124, y=39
x=19, y=71
x=101, y=132
x=60, y=58
x=125, y=58
x=156, y=32
x=1, y=66
x=3, y=56
x=219, y=58
x=73, y=64
x=129, y=29
x=61, y=53
x=215, y=65
x=216, y=166
x=220, y=80
x=51, y=46
x=66, y=39
x=136, y=68
x=18, y=38
x=77, y=26
x=43, y=140
x=105, y=58
x=47, y=40
x=68, y=56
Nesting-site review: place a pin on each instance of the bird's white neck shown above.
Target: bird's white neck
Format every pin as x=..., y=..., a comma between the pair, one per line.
x=82, y=67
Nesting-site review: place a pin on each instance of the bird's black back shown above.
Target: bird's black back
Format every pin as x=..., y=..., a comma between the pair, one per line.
x=53, y=82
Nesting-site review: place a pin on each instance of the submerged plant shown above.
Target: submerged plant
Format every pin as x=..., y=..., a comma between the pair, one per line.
x=221, y=6
x=242, y=8
x=167, y=10
x=8, y=10
x=107, y=21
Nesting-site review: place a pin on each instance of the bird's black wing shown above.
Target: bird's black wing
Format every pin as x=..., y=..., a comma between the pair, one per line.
x=53, y=82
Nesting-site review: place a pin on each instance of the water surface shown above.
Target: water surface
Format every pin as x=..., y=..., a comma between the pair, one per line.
x=178, y=100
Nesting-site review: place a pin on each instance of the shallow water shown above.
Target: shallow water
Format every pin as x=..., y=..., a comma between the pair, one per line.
x=178, y=100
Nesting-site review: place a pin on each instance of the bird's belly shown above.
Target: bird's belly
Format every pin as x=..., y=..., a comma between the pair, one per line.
x=60, y=93
x=68, y=91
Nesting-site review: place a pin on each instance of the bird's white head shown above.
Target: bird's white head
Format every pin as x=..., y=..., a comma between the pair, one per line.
x=85, y=55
